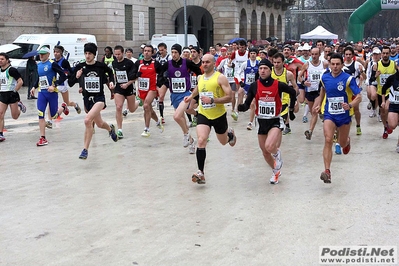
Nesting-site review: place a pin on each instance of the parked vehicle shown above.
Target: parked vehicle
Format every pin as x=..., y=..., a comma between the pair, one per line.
x=27, y=45
x=171, y=39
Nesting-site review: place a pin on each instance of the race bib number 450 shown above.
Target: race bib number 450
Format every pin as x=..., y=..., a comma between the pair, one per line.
x=335, y=105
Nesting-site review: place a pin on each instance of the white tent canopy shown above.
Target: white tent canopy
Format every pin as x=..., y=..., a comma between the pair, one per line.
x=319, y=33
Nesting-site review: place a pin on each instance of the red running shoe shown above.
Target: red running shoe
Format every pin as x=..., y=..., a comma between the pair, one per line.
x=66, y=110
x=346, y=149
x=326, y=176
x=42, y=141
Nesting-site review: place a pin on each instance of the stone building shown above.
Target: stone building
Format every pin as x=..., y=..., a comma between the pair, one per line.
x=132, y=22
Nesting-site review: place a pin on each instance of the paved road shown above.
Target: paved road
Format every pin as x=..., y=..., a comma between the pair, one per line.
x=133, y=202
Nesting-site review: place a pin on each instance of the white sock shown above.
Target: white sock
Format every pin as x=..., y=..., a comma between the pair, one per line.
x=306, y=110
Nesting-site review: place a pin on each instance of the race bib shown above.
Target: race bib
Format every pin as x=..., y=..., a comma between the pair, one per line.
x=207, y=105
x=144, y=84
x=266, y=110
x=383, y=78
x=229, y=73
x=178, y=85
x=3, y=84
x=194, y=81
x=43, y=83
x=335, y=105
x=121, y=76
x=394, y=97
x=92, y=84
x=250, y=78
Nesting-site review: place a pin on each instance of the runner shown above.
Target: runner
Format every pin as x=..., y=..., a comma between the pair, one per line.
x=48, y=91
x=338, y=87
x=266, y=92
x=180, y=87
x=91, y=76
x=392, y=86
x=314, y=69
x=214, y=91
x=10, y=83
x=147, y=70
x=123, y=69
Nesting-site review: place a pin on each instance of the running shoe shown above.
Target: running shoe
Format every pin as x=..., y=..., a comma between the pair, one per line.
x=120, y=134
x=2, y=138
x=326, y=176
x=66, y=110
x=186, y=140
x=337, y=149
x=42, y=141
x=194, y=122
x=125, y=112
x=22, y=107
x=346, y=149
x=234, y=115
x=278, y=162
x=232, y=137
x=308, y=134
x=335, y=137
x=198, y=177
x=140, y=100
x=397, y=148
x=162, y=120
x=373, y=113
x=379, y=118
x=286, y=131
x=77, y=108
x=49, y=124
x=112, y=133
x=385, y=134
x=389, y=130
x=191, y=148
x=83, y=155
x=358, y=131
x=160, y=126
x=146, y=133
x=249, y=126
x=304, y=119
x=112, y=95
x=369, y=106
x=275, y=176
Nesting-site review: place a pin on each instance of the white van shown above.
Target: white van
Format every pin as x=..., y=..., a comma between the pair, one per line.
x=171, y=39
x=28, y=44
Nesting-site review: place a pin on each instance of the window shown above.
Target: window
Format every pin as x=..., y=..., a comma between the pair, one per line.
x=151, y=21
x=128, y=22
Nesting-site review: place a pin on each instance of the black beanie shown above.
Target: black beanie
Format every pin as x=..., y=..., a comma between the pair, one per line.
x=176, y=47
x=266, y=62
x=90, y=47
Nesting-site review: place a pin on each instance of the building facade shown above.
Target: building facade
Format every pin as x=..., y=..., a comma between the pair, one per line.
x=132, y=22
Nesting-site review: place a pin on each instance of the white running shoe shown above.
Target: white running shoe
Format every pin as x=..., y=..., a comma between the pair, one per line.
x=186, y=140
x=372, y=114
x=275, y=176
x=191, y=148
x=160, y=126
x=146, y=133
x=249, y=126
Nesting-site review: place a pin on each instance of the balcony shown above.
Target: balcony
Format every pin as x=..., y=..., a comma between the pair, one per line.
x=284, y=4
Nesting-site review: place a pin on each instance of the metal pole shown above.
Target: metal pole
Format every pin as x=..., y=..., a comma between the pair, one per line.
x=185, y=22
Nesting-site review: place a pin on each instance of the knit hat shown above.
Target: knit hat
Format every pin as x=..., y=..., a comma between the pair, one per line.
x=265, y=62
x=91, y=48
x=176, y=47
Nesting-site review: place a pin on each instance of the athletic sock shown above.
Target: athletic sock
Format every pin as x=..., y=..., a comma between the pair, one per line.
x=201, y=155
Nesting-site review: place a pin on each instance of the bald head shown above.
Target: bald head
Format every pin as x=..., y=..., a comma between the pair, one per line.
x=208, y=63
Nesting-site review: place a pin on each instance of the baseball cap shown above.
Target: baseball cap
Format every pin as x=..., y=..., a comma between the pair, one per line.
x=223, y=49
x=44, y=50
x=376, y=51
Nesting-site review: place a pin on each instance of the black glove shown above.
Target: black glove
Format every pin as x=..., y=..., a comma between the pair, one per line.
x=292, y=115
x=242, y=84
